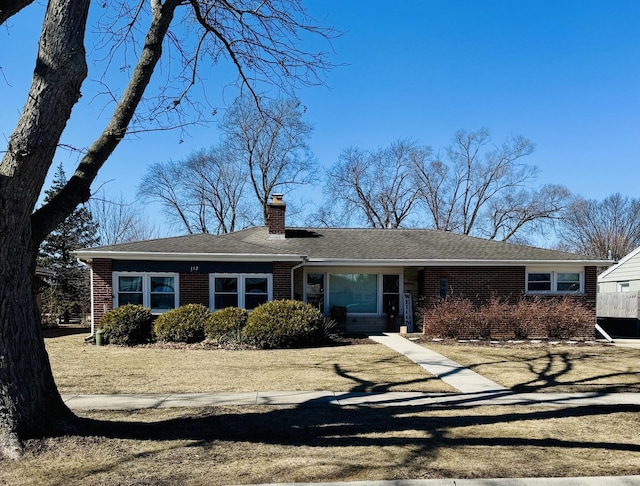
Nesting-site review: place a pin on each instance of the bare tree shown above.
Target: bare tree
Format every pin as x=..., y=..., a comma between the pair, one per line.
x=270, y=139
x=119, y=221
x=263, y=144
x=201, y=194
x=485, y=190
x=531, y=209
x=260, y=38
x=610, y=227
x=376, y=186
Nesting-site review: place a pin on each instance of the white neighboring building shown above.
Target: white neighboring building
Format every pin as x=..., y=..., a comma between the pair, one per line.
x=623, y=276
x=618, y=305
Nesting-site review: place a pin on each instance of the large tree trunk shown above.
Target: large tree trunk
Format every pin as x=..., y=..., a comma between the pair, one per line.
x=30, y=404
x=29, y=400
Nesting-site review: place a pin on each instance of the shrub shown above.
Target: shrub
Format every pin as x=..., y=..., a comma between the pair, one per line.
x=450, y=318
x=127, y=325
x=567, y=318
x=493, y=319
x=226, y=325
x=182, y=325
x=284, y=324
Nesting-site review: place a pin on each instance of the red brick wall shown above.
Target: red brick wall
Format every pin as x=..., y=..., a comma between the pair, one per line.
x=194, y=288
x=276, y=219
x=282, y=280
x=102, y=291
x=480, y=284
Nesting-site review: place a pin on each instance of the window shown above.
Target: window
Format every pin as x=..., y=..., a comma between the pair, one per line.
x=315, y=290
x=539, y=282
x=554, y=282
x=376, y=292
x=443, y=287
x=244, y=291
x=391, y=294
x=358, y=292
x=159, y=292
x=568, y=282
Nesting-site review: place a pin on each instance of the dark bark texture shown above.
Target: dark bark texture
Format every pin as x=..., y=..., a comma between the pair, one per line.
x=29, y=400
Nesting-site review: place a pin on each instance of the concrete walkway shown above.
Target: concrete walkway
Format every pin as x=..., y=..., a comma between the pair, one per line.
x=474, y=390
x=329, y=398
x=582, y=481
x=459, y=377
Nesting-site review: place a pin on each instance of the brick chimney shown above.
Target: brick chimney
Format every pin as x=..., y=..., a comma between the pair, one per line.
x=275, y=217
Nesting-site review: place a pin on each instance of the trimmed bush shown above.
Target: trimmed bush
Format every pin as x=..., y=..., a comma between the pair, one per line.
x=226, y=325
x=127, y=325
x=284, y=324
x=182, y=325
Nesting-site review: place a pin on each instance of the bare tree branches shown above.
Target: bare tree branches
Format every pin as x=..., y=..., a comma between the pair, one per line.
x=484, y=190
x=596, y=228
x=270, y=140
x=377, y=185
x=202, y=194
x=476, y=189
x=8, y=8
x=118, y=220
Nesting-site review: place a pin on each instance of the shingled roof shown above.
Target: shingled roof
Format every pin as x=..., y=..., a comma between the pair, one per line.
x=338, y=246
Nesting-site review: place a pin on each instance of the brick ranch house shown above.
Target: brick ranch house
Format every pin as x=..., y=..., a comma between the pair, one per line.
x=369, y=278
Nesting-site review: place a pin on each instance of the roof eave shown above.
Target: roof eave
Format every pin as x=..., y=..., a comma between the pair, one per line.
x=89, y=256
x=381, y=262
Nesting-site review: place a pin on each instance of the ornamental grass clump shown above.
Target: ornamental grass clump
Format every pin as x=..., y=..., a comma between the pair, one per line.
x=284, y=324
x=127, y=325
x=182, y=325
x=226, y=325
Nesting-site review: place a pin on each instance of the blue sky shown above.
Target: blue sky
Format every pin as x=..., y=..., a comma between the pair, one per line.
x=565, y=74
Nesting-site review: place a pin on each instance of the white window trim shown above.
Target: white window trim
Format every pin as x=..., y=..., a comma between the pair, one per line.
x=146, y=288
x=554, y=281
x=379, y=271
x=241, y=279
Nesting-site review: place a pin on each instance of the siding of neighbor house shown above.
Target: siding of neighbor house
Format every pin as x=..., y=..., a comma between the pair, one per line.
x=625, y=271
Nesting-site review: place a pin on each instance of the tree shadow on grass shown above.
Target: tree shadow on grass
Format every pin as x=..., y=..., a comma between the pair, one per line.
x=552, y=370
x=420, y=431
x=403, y=436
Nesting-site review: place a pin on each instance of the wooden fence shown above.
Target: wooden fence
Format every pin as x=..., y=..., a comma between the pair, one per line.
x=618, y=304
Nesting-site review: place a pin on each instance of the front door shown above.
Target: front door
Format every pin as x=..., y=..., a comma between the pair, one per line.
x=315, y=290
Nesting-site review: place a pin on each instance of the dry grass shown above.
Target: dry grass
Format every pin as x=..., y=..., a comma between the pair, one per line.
x=262, y=444
x=545, y=368
x=242, y=445
x=84, y=368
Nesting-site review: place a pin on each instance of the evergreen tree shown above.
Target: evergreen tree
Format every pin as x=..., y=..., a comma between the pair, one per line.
x=69, y=291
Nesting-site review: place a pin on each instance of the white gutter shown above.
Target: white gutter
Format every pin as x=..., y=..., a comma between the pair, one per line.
x=89, y=256
x=448, y=262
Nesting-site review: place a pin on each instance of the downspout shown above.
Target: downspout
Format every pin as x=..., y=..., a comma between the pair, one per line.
x=293, y=269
